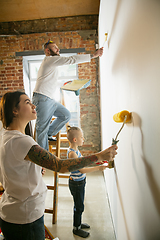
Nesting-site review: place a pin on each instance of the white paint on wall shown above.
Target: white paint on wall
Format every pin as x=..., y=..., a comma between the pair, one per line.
x=130, y=80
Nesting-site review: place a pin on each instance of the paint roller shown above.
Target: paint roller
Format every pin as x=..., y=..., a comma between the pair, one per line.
x=105, y=40
x=121, y=117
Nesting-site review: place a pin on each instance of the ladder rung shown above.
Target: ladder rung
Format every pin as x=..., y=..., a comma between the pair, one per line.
x=50, y=187
x=62, y=152
x=61, y=148
x=64, y=140
x=63, y=135
x=47, y=210
x=63, y=176
x=53, y=143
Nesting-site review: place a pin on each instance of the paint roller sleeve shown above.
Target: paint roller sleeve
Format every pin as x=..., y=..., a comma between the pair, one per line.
x=119, y=117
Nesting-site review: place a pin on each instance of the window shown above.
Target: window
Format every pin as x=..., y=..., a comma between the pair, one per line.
x=31, y=66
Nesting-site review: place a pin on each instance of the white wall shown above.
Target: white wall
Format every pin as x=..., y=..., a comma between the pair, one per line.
x=130, y=80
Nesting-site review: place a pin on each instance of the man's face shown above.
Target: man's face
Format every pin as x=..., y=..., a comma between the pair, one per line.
x=54, y=50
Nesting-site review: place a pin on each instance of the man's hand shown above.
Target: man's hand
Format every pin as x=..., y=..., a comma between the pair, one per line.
x=98, y=53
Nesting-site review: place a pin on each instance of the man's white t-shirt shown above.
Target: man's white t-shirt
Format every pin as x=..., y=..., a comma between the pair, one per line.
x=48, y=72
x=23, y=200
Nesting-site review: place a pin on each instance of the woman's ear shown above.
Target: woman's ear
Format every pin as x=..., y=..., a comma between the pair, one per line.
x=15, y=112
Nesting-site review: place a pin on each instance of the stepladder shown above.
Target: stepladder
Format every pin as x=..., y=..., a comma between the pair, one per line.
x=56, y=149
x=54, y=187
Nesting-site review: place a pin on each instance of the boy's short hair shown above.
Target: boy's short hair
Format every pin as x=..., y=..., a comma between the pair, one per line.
x=71, y=132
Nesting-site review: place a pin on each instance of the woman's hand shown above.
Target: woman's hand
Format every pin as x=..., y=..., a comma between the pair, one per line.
x=107, y=154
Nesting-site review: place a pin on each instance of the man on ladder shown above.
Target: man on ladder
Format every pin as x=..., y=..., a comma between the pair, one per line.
x=43, y=94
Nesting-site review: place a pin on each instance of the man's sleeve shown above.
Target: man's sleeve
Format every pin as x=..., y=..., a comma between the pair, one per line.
x=75, y=59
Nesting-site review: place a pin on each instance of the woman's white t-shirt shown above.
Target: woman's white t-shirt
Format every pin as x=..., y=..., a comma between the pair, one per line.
x=23, y=200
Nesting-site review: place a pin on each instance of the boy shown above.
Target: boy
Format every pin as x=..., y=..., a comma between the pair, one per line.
x=77, y=180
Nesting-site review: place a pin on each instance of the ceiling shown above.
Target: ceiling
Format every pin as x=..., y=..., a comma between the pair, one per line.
x=18, y=10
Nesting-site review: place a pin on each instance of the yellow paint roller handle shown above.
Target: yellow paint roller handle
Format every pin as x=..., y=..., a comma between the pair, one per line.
x=119, y=117
x=106, y=36
x=105, y=40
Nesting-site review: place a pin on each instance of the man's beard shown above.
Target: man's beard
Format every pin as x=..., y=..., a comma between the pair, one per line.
x=53, y=53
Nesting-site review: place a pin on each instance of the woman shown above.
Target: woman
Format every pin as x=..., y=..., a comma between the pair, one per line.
x=21, y=161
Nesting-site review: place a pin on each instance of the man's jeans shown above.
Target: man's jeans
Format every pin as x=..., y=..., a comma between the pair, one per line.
x=29, y=231
x=46, y=108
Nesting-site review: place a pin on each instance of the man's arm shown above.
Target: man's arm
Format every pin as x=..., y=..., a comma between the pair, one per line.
x=74, y=59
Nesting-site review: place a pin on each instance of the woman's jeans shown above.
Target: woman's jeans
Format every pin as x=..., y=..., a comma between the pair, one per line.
x=29, y=231
x=77, y=189
x=46, y=108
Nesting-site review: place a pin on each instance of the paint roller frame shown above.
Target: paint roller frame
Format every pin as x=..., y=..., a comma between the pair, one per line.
x=105, y=40
x=118, y=118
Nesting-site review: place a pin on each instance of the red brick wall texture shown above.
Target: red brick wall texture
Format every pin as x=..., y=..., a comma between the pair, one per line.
x=11, y=74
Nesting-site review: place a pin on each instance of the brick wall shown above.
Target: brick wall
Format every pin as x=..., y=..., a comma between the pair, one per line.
x=73, y=23
x=11, y=74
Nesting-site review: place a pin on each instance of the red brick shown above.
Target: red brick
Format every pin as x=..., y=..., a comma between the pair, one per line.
x=9, y=68
x=18, y=60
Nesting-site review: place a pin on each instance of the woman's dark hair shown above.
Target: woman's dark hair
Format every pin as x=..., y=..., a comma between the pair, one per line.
x=9, y=102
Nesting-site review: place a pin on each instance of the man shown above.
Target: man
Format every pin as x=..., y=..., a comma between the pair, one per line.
x=43, y=95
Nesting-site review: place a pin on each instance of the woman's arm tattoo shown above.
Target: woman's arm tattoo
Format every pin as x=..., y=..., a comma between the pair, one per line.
x=42, y=157
x=45, y=159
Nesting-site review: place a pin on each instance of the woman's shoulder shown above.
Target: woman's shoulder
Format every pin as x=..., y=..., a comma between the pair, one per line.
x=15, y=135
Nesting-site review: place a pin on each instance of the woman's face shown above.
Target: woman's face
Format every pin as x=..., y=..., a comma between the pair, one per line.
x=26, y=110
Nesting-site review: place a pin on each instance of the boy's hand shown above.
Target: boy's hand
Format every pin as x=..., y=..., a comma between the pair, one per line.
x=102, y=167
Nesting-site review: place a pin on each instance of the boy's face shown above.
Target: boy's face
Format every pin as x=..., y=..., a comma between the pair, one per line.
x=79, y=138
